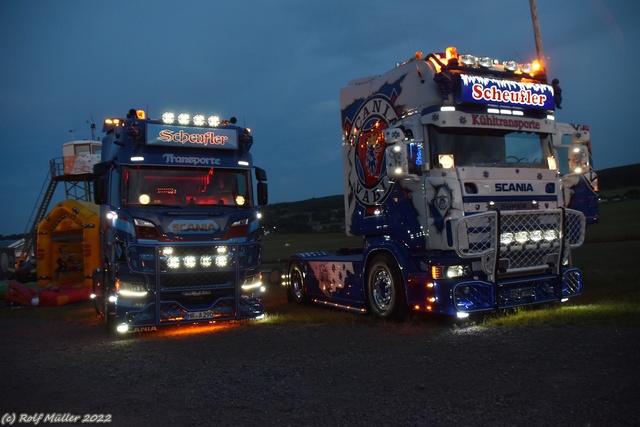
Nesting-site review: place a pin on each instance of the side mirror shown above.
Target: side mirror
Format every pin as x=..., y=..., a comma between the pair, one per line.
x=399, y=160
x=263, y=191
x=100, y=171
x=261, y=174
x=579, y=159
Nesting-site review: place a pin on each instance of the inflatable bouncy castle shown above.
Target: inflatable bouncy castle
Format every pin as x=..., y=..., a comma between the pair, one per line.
x=67, y=252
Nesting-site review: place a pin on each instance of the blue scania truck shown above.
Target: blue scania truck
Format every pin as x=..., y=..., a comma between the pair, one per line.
x=468, y=195
x=179, y=222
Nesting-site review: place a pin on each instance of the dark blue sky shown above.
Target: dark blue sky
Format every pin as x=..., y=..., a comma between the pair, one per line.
x=278, y=66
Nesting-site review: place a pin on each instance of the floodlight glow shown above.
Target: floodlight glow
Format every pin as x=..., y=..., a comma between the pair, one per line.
x=506, y=239
x=522, y=237
x=535, y=236
x=213, y=120
x=183, y=119
x=168, y=118
x=198, y=120
x=206, y=261
x=173, y=262
x=189, y=261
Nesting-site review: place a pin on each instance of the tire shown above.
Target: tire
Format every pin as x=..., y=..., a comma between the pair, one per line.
x=385, y=288
x=296, y=288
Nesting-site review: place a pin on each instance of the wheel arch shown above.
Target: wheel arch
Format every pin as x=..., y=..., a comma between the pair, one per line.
x=391, y=251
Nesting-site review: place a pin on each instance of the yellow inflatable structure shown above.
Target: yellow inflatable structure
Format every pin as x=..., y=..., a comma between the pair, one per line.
x=68, y=249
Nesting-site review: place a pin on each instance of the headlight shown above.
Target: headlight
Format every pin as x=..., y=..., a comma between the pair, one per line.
x=457, y=271
x=131, y=289
x=449, y=271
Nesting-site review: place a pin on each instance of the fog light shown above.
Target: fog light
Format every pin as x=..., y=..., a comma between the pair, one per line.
x=522, y=237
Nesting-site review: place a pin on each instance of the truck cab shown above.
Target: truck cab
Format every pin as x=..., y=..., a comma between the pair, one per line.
x=451, y=176
x=180, y=232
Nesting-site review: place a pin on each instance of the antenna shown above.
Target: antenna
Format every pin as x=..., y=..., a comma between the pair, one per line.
x=71, y=131
x=93, y=128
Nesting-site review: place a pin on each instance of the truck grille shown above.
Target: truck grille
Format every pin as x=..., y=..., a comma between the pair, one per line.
x=519, y=241
x=194, y=266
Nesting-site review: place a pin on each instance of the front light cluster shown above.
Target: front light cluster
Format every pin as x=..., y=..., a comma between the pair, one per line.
x=185, y=119
x=524, y=237
x=222, y=258
x=131, y=289
x=450, y=271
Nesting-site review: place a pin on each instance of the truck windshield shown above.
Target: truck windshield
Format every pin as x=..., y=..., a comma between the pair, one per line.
x=491, y=147
x=155, y=185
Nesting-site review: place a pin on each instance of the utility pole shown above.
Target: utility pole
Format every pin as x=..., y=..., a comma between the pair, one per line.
x=536, y=32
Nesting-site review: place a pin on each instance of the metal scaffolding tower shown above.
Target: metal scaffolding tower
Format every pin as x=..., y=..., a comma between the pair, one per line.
x=77, y=187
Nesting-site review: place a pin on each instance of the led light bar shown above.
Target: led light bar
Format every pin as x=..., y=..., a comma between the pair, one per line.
x=185, y=119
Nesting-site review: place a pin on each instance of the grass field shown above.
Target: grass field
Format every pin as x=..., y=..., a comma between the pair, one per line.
x=612, y=287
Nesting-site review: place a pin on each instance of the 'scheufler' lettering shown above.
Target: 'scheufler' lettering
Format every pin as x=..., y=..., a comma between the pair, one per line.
x=493, y=94
x=182, y=137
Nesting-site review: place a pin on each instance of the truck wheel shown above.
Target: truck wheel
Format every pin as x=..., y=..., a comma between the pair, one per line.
x=296, y=290
x=385, y=288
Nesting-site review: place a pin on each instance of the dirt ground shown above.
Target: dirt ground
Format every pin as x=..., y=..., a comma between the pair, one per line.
x=419, y=373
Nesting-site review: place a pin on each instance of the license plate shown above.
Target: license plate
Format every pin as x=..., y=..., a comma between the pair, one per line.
x=522, y=293
x=199, y=315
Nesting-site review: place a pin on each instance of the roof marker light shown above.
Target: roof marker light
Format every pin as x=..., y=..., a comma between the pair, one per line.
x=447, y=108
